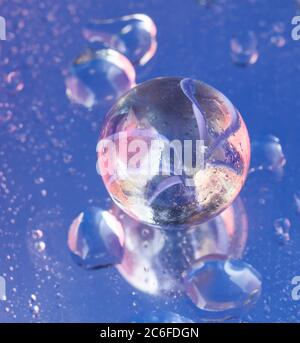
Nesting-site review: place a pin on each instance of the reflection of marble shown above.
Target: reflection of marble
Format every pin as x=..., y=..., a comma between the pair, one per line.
x=154, y=260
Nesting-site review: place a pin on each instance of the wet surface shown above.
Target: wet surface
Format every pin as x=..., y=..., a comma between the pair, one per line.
x=48, y=159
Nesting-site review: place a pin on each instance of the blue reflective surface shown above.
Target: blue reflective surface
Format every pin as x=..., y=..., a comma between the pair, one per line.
x=48, y=151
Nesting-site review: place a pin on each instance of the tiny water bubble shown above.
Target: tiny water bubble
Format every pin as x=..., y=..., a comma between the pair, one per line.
x=37, y=234
x=33, y=297
x=282, y=229
x=297, y=202
x=278, y=41
x=35, y=310
x=14, y=81
x=40, y=246
x=244, y=49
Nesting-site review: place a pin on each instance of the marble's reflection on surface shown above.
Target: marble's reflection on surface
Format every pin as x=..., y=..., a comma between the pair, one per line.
x=154, y=260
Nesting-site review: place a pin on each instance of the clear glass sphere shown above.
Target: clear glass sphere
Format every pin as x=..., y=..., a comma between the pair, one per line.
x=173, y=151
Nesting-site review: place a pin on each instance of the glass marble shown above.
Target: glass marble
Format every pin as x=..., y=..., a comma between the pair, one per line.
x=164, y=111
x=217, y=284
x=99, y=76
x=96, y=239
x=132, y=35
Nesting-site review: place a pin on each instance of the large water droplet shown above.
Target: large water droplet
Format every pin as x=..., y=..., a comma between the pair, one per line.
x=132, y=35
x=96, y=239
x=219, y=285
x=267, y=154
x=244, y=49
x=99, y=76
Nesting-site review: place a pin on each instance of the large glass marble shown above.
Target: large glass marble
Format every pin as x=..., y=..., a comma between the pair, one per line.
x=173, y=151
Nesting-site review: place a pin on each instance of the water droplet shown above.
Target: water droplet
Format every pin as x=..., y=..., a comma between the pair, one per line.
x=99, y=76
x=297, y=201
x=218, y=285
x=14, y=81
x=33, y=297
x=279, y=27
x=282, y=229
x=96, y=239
x=244, y=49
x=44, y=192
x=37, y=234
x=35, y=310
x=267, y=154
x=40, y=246
x=132, y=35
x=278, y=41
x=39, y=180
x=205, y=3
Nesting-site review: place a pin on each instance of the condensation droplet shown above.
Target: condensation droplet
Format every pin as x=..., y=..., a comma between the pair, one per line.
x=40, y=246
x=35, y=310
x=282, y=229
x=278, y=41
x=267, y=154
x=39, y=180
x=244, y=49
x=14, y=81
x=37, y=234
x=297, y=201
x=33, y=297
x=205, y=3
x=133, y=35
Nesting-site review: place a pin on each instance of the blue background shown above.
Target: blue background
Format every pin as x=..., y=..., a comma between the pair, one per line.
x=43, y=135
